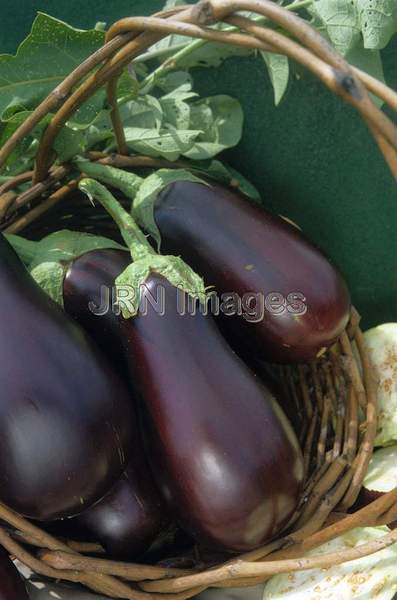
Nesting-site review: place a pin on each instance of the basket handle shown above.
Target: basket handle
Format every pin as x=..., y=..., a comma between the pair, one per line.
x=131, y=36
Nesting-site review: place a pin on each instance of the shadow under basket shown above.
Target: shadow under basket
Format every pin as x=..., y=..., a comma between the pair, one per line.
x=335, y=396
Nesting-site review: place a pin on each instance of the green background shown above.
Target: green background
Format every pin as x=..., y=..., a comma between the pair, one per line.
x=311, y=158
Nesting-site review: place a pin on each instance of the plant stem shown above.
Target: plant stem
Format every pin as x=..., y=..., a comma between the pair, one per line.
x=126, y=182
x=135, y=240
x=187, y=48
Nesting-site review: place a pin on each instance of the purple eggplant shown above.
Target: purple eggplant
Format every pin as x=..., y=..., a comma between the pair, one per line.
x=12, y=586
x=222, y=451
x=132, y=514
x=128, y=519
x=67, y=421
x=241, y=249
x=85, y=279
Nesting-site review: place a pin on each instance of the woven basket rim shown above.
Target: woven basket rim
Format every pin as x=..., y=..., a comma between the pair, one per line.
x=334, y=485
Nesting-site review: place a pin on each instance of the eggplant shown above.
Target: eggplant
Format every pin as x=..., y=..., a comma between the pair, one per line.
x=12, y=586
x=294, y=303
x=85, y=278
x=221, y=450
x=128, y=519
x=67, y=421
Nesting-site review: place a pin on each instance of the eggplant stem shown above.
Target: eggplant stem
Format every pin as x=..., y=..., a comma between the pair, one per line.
x=135, y=240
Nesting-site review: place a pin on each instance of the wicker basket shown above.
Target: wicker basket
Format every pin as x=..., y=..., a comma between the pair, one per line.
x=336, y=395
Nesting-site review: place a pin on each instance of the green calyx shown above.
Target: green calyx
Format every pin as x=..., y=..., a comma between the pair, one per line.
x=146, y=260
x=172, y=268
x=145, y=199
x=49, y=259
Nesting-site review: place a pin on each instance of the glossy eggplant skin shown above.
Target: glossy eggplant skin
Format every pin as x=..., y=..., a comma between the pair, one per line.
x=82, y=285
x=129, y=518
x=222, y=450
x=12, y=586
x=239, y=247
x=67, y=422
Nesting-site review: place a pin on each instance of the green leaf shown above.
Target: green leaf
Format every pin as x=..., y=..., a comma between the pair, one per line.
x=68, y=143
x=341, y=20
x=278, y=68
x=226, y=174
x=211, y=54
x=176, y=112
x=55, y=252
x=168, y=143
x=26, y=249
x=177, y=83
x=13, y=108
x=143, y=205
x=173, y=268
x=378, y=20
x=99, y=131
x=128, y=86
x=172, y=3
x=88, y=111
x=50, y=52
x=170, y=41
x=144, y=112
x=19, y=154
x=221, y=120
x=100, y=26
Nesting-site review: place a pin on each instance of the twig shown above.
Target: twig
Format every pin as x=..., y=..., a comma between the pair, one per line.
x=137, y=161
x=160, y=28
x=351, y=434
x=308, y=449
x=115, y=116
x=350, y=365
x=43, y=207
x=13, y=182
x=6, y=201
x=96, y=582
x=366, y=448
x=128, y=571
x=80, y=547
x=321, y=488
x=59, y=94
x=322, y=442
x=265, y=569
